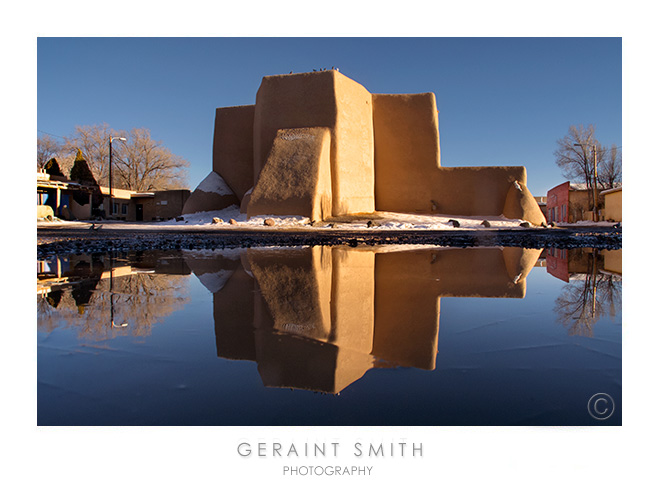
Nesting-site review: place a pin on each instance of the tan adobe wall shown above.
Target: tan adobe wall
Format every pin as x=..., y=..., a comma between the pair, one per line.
x=233, y=147
x=613, y=206
x=408, y=173
x=164, y=204
x=578, y=206
x=521, y=204
x=353, y=165
x=476, y=190
x=407, y=154
x=384, y=153
x=296, y=178
x=314, y=100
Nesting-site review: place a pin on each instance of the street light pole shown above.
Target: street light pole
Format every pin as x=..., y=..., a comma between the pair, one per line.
x=110, y=168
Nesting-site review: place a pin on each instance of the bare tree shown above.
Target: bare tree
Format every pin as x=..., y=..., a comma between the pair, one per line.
x=140, y=300
x=609, y=170
x=139, y=164
x=144, y=164
x=583, y=302
x=47, y=148
x=576, y=157
x=92, y=141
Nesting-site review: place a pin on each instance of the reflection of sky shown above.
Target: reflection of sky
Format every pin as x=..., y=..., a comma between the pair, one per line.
x=500, y=361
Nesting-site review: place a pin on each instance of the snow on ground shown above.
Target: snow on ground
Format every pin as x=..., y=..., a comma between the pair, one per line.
x=379, y=221
x=586, y=223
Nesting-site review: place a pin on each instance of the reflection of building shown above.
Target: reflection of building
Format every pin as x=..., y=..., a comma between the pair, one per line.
x=612, y=262
x=318, y=318
x=568, y=263
x=96, y=293
x=320, y=145
x=594, y=286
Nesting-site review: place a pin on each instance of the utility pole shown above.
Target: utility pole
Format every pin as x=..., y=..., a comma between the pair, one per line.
x=595, y=215
x=594, y=148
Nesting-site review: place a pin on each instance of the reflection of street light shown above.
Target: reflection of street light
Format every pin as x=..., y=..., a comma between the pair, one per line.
x=110, y=166
x=595, y=217
x=112, y=324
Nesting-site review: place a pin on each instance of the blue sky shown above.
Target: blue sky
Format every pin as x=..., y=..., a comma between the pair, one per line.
x=502, y=101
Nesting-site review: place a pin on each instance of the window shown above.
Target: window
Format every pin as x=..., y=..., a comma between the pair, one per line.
x=124, y=208
x=115, y=208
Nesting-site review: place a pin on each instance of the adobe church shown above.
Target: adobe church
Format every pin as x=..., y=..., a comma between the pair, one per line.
x=320, y=145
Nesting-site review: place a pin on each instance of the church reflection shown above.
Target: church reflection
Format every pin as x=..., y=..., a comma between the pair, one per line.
x=314, y=318
x=318, y=318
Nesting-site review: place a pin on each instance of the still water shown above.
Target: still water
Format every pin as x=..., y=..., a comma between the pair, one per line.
x=388, y=335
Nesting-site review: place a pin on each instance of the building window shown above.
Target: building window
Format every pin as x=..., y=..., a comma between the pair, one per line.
x=124, y=208
x=115, y=208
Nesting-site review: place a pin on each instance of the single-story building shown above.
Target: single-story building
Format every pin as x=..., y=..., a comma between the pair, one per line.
x=612, y=204
x=81, y=198
x=572, y=202
x=68, y=199
x=144, y=206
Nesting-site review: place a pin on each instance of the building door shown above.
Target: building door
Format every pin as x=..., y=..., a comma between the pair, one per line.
x=139, y=212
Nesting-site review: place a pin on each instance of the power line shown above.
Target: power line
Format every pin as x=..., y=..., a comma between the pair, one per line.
x=47, y=133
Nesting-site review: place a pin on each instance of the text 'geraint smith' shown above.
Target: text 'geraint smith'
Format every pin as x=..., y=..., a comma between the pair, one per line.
x=358, y=449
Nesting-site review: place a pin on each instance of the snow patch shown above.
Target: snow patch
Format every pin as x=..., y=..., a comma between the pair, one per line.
x=213, y=183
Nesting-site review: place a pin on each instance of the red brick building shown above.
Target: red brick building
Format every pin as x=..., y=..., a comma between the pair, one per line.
x=570, y=203
x=558, y=200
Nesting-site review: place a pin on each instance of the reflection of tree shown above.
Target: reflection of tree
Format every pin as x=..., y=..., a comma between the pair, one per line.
x=140, y=300
x=584, y=301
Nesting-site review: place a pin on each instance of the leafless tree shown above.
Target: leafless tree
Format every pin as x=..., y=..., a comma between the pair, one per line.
x=609, y=170
x=47, y=148
x=574, y=155
x=93, y=144
x=140, y=163
x=583, y=302
x=144, y=164
x=140, y=300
